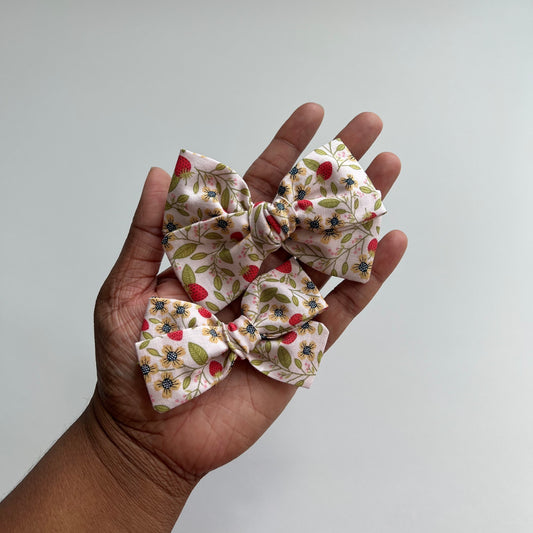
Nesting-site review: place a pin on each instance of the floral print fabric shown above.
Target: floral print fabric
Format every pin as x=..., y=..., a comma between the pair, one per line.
x=185, y=350
x=326, y=213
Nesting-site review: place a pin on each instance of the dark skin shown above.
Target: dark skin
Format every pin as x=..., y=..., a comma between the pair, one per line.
x=137, y=455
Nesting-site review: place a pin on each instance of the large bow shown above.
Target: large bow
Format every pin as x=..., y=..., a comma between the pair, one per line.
x=326, y=214
x=185, y=350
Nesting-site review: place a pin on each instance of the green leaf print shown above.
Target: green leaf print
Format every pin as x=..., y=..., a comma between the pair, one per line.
x=184, y=251
x=161, y=408
x=186, y=382
x=198, y=354
x=225, y=255
x=224, y=199
x=188, y=275
x=311, y=164
x=268, y=294
x=151, y=351
x=329, y=203
x=284, y=357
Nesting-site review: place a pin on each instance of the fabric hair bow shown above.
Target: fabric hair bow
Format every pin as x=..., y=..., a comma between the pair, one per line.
x=326, y=214
x=185, y=350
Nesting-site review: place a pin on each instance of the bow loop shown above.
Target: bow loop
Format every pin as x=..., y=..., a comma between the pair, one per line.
x=184, y=349
x=326, y=213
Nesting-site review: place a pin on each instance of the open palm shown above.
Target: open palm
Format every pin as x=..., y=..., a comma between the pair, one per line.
x=222, y=423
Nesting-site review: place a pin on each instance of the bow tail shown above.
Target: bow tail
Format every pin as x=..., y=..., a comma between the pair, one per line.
x=293, y=358
x=175, y=371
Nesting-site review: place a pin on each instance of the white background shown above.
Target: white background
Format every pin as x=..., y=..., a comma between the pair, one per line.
x=421, y=416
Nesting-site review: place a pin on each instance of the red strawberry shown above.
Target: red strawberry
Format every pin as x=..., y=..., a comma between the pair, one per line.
x=285, y=267
x=373, y=245
x=182, y=165
x=145, y=325
x=175, y=335
x=196, y=292
x=273, y=223
x=204, y=312
x=215, y=368
x=304, y=204
x=232, y=326
x=289, y=338
x=236, y=236
x=295, y=319
x=324, y=170
x=249, y=273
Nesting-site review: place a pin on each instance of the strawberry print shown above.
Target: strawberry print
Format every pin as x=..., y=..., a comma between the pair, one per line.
x=373, y=245
x=290, y=337
x=304, y=204
x=196, y=292
x=175, y=335
x=205, y=313
x=215, y=369
x=325, y=170
x=182, y=165
x=250, y=272
x=145, y=325
x=295, y=319
x=285, y=267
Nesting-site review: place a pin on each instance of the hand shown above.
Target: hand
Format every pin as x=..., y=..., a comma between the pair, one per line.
x=219, y=425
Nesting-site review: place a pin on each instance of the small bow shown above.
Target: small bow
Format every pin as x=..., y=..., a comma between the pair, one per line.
x=326, y=214
x=185, y=350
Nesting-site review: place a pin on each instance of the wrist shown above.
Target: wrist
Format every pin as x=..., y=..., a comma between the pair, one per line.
x=134, y=474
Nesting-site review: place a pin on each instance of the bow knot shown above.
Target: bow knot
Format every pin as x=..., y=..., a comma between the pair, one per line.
x=272, y=223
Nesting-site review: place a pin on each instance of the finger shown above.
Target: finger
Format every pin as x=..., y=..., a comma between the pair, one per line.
x=359, y=134
x=383, y=171
x=141, y=255
x=265, y=174
x=349, y=297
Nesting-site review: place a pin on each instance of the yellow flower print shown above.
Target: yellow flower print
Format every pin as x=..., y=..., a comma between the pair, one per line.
x=249, y=330
x=168, y=383
x=334, y=221
x=147, y=369
x=168, y=238
x=329, y=233
x=209, y=195
x=296, y=171
x=281, y=207
x=165, y=326
x=349, y=182
x=302, y=192
x=213, y=335
x=169, y=224
x=306, y=328
x=213, y=213
x=314, y=224
x=279, y=312
x=172, y=356
x=364, y=267
x=314, y=305
x=308, y=286
x=181, y=309
x=159, y=305
x=222, y=224
x=284, y=189
x=307, y=350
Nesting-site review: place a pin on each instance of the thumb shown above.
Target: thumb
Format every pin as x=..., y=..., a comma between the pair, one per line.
x=142, y=252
